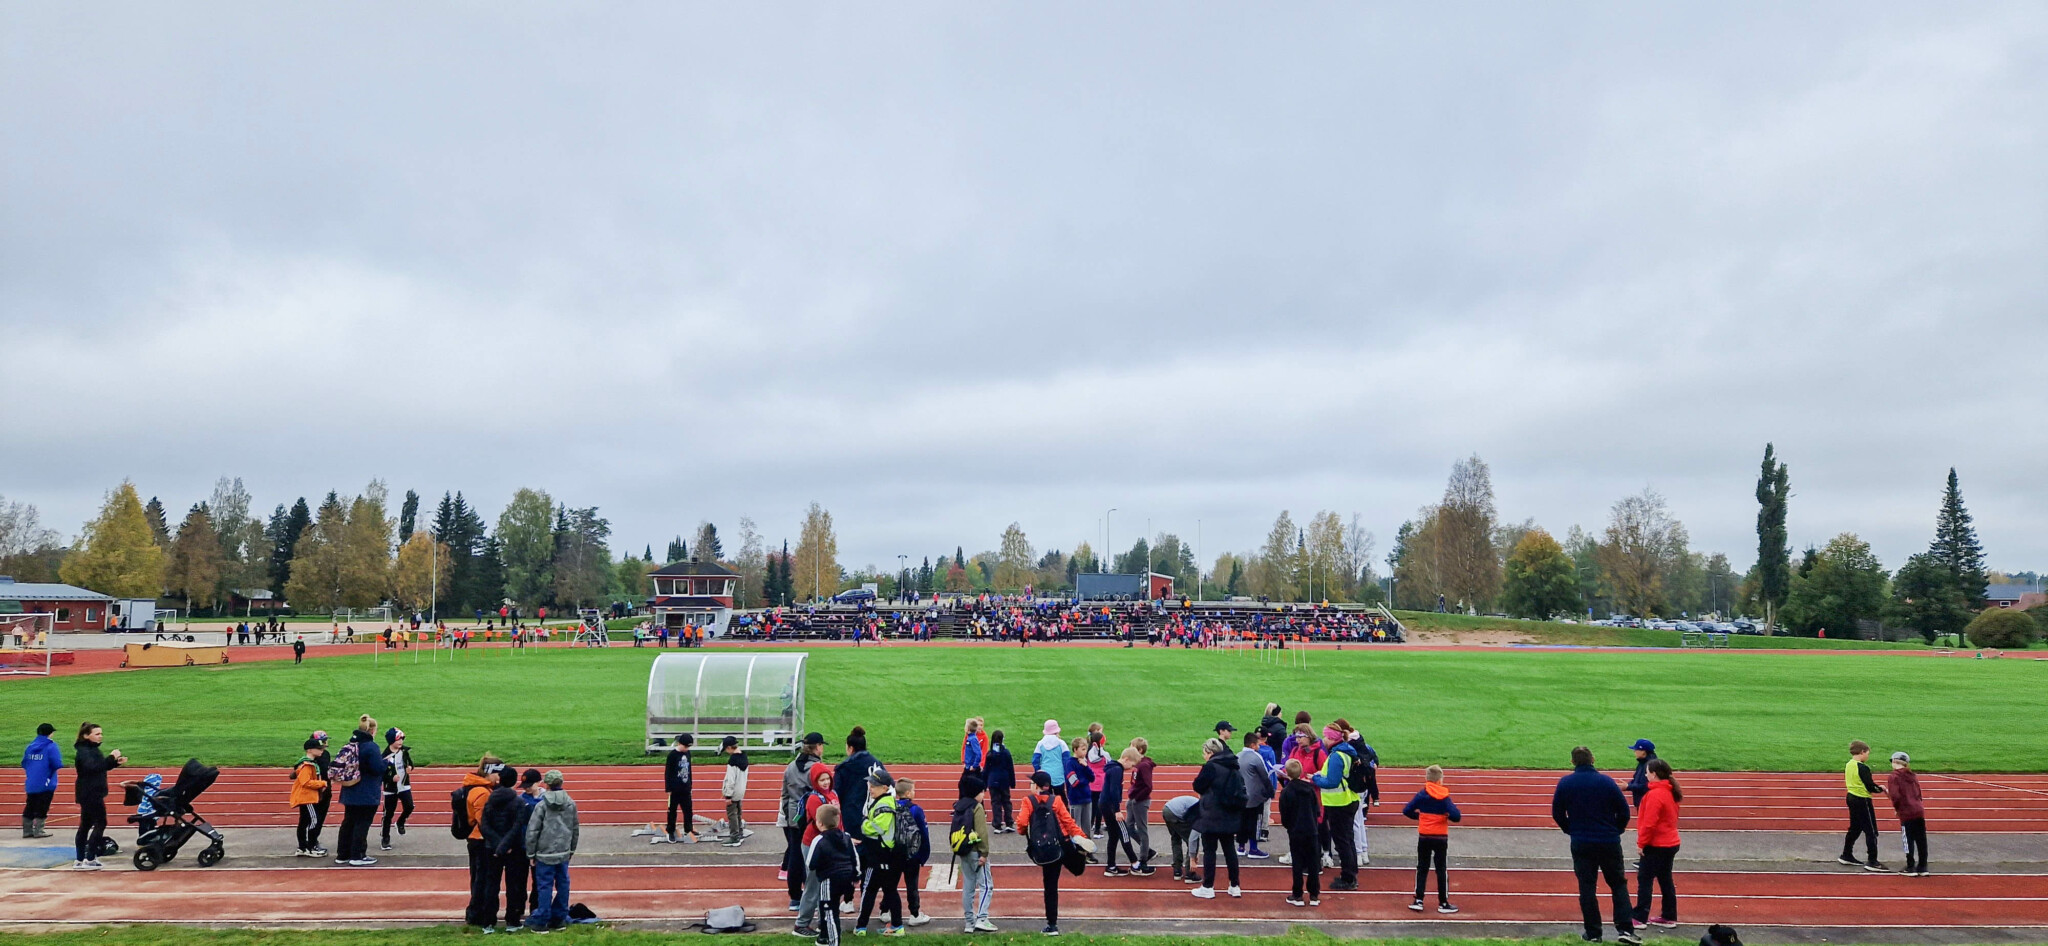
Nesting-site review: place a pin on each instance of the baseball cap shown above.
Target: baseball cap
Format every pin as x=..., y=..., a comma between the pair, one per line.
x=320, y=734
x=1901, y=757
x=729, y=742
x=1224, y=724
x=1644, y=745
x=814, y=739
x=312, y=744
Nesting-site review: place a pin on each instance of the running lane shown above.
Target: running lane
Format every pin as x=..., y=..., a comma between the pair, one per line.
x=1714, y=801
x=226, y=895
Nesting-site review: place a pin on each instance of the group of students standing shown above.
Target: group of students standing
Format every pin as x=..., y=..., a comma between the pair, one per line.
x=368, y=776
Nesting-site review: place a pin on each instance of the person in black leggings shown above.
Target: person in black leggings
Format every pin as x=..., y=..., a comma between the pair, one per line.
x=90, y=789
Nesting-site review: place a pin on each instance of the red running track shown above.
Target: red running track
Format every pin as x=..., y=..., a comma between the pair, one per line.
x=412, y=894
x=1715, y=801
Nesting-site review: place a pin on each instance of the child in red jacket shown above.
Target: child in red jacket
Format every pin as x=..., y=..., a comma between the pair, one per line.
x=1903, y=788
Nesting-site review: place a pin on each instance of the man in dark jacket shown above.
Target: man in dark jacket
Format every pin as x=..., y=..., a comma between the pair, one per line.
x=851, y=777
x=1639, y=784
x=360, y=800
x=504, y=829
x=1590, y=808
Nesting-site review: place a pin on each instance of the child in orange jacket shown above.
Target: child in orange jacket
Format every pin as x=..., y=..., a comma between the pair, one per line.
x=306, y=787
x=1433, y=811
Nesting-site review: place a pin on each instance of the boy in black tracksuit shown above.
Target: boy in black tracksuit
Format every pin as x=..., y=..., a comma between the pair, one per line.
x=1300, y=809
x=836, y=862
x=676, y=778
x=1001, y=772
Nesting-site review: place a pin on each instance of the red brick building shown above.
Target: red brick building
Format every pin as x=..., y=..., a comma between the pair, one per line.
x=75, y=609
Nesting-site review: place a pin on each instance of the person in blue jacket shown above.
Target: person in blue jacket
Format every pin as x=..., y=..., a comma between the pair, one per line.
x=1590, y=808
x=1002, y=777
x=913, y=874
x=40, y=763
x=360, y=801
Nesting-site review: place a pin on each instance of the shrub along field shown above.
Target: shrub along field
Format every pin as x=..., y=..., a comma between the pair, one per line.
x=1706, y=710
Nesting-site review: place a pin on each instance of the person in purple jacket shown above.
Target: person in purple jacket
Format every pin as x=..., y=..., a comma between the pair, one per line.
x=40, y=764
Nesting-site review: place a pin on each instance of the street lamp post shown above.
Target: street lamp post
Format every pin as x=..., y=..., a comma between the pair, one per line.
x=902, y=575
x=1107, y=549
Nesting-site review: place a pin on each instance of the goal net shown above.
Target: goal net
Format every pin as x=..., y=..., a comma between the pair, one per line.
x=25, y=642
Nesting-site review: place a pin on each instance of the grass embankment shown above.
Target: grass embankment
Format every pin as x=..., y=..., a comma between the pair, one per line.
x=1708, y=710
x=1588, y=635
x=437, y=936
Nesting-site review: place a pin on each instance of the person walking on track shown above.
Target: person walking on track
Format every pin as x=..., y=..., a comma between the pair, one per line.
x=89, y=789
x=1590, y=808
x=1903, y=788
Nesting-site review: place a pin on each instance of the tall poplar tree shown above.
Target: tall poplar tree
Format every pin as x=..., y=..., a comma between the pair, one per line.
x=1773, y=554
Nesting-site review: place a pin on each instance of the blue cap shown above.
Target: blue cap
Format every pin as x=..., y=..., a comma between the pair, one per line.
x=1644, y=745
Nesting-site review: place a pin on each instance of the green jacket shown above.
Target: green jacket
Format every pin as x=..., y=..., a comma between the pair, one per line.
x=880, y=822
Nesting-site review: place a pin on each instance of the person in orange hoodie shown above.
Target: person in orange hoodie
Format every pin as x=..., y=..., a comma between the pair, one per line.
x=1657, y=839
x=1433, y=811
x=306, y=787
x=483, y=907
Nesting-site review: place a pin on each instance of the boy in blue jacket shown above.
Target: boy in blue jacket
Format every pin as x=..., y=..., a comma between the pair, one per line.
x=913, y=876
x=40, y=763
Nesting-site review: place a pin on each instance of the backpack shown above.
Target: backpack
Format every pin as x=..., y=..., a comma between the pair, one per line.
x=348, y=765
x=1230, y=790
x=1042, y=840
x=1718, y=935
x=908, y=842
x=460, y=826
x=960, y=831
x=1354, y=773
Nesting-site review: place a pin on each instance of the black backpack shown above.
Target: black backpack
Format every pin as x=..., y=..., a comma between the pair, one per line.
x=460, y=826
x=908, y=841
x=1043, y=842
x=960, y=834
x=1355, y=772
x=1230, y=790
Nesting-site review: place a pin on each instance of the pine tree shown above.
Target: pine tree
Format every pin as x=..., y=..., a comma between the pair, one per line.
x=1956, y=546
x=1773, y=555
x=676, y=551
x=959, y=556
x=408, y=515
x=709, y=549
x=159, y=524
x=283, y=532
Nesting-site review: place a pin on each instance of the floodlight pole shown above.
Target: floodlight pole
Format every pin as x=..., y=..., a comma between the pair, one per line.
x=1106, y=548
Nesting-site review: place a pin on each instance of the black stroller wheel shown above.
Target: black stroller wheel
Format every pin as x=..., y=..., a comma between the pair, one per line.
x=146, y=858
x=212, y=855
x=108, y=846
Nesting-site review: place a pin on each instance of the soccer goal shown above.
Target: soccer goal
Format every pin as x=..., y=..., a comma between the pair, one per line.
x=25, y=642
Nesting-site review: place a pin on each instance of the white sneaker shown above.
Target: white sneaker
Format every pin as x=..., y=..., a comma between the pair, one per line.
x=85, y=865
x=918, y=920
x=1204, y=893
x=1235, y=892
x=984, y=926
x=1286, y=858
x=1364, y=861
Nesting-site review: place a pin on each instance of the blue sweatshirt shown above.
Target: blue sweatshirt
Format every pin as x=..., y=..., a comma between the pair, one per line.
x=41, y=762
x=923, y=831
x=1590, y=807
x=1002, y=771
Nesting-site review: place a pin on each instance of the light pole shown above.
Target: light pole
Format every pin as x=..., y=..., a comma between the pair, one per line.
x=1107, y=549
x=902, y=574
x=1198, y=560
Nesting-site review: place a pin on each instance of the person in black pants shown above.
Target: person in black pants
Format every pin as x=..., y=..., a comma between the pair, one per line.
x=360, y=800
x=1222, y=814
x=1299, y=812
x=1862, y=815
x=503, y=826
x=90, y=790
x=1002, y=776
x=1590, y=808
x=676, y=778
x=398, y=767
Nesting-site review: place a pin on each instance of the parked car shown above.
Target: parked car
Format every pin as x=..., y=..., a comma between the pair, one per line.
x=854, y=596
x=1744, y=626
x=1663, y=626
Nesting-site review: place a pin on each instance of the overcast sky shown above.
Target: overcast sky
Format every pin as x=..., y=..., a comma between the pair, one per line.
x=944, y=267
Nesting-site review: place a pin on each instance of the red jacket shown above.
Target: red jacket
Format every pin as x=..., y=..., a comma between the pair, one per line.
x=1657, y=820
x=1903, y=788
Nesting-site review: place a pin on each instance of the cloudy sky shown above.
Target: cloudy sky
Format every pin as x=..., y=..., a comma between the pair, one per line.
x=943, y=267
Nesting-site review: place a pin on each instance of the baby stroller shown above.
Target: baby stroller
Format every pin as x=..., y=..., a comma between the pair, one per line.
x=164, y=819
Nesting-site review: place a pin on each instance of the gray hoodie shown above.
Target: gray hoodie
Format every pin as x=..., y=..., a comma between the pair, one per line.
x=796, y=787
x=1258, y=782
x=552, y=831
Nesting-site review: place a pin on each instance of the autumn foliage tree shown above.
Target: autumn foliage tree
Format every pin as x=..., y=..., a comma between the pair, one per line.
x=1639, y=548
x=1541, y=580
x=196, y=562
x=117, y=554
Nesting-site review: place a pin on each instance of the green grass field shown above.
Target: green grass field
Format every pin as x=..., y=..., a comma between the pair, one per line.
x=1588, y=635
x=1706, y=710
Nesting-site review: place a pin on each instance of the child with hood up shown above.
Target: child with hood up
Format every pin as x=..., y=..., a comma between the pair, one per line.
x=821, y=796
